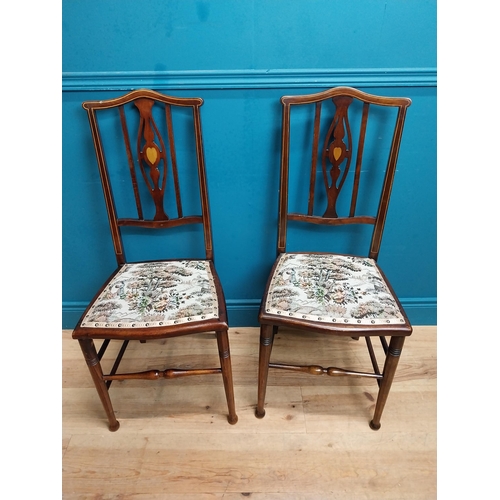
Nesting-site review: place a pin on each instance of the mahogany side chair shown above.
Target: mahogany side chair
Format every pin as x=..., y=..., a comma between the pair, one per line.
x=143, y=173
x=339, y=149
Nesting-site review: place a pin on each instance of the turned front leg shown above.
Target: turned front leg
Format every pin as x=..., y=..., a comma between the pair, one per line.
x=94, y=365
x=227, y=374
x=391, y=363
x=266, y=345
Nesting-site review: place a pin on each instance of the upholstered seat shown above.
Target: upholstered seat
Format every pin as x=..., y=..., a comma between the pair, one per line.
x=152, y=294
x=331, y=289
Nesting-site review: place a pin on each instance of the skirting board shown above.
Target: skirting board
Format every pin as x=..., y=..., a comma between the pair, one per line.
x=420, y=311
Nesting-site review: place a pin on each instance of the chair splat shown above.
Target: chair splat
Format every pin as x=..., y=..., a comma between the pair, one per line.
x=150, y=156
x=336, y=152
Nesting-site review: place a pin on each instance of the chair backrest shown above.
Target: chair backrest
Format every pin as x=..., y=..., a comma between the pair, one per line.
x=330, y=153
x=148, y=172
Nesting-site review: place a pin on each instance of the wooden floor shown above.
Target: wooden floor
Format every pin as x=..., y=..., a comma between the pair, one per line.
x=314, y=442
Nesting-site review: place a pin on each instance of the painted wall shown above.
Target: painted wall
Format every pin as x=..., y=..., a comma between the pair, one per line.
x=241, y=57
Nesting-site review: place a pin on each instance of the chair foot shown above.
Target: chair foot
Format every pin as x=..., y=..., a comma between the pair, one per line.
x=374, y=427
x=260, y=414
x=232, y=420
x=114, y=427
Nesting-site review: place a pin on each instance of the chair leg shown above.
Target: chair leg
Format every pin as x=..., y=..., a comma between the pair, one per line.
x=266, y=344
x=227, y=374
x=90, y=354
x=391, y=363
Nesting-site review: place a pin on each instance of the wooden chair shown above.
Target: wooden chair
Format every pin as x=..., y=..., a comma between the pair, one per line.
x=143, y=174
x=343, y=293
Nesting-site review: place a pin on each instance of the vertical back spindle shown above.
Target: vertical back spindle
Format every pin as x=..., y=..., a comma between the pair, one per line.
x=130, y=158
x=359, y=158
x=314, y=161
x=173, y=157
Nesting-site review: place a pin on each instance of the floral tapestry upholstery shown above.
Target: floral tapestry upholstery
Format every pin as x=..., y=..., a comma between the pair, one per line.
x=331, y=289
x=156, y=294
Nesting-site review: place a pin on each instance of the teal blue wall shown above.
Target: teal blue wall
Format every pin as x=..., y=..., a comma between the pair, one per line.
x=241, y=57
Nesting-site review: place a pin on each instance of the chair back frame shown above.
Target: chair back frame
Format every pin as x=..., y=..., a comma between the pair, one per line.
x=336, y=150
x=152, y=162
